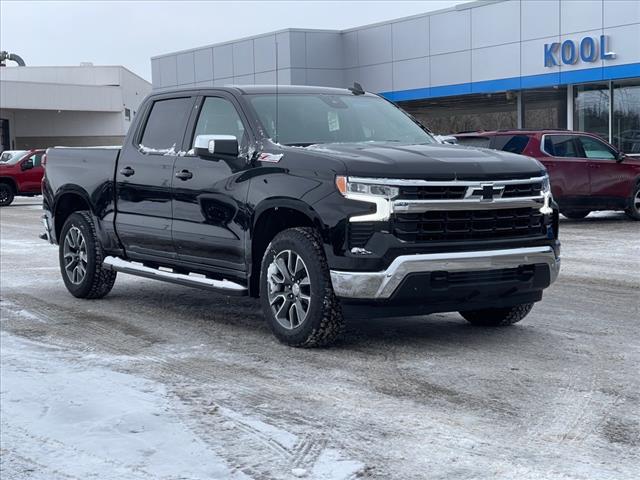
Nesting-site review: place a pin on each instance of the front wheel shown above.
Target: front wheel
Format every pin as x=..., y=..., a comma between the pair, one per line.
x=295, y=290
x=633, y=211
x=497, y=317
x=81, y=258
x=6, y=195
x=575, y=214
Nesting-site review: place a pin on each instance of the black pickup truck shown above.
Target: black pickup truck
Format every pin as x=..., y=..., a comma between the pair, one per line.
x=322, y=202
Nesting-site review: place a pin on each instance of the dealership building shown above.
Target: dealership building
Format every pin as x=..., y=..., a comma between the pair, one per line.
x=73, y=106
x=536, y=64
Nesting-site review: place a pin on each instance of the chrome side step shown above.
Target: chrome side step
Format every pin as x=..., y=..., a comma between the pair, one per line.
x=224, y=287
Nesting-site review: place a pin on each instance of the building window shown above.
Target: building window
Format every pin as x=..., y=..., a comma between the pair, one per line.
x=466, y=113
x=127, y=114
x=591, y=108
x=625, y=128
x=544, y=108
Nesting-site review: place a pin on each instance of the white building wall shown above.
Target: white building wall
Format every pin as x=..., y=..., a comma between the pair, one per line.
x=473, y=42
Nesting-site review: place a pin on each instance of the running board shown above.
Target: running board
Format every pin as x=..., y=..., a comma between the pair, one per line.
x=224, y=287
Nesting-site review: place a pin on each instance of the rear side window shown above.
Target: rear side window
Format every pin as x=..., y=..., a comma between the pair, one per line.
x=560, y=146
x=166, y=124
x=511, y=143
x=474, y=141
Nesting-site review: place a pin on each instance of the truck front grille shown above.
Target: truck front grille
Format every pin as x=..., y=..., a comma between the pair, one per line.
x=468, y=225
x=428, y=192
x=522, y=190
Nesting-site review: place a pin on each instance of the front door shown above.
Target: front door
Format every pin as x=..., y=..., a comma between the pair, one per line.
x=31, y=178
x=209, y=221
x=607, y=176
x=568, y=170
x=143, y=179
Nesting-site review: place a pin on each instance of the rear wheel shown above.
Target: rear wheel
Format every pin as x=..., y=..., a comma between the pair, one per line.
x=81, y=257
x=6, y=194
x=295, y=290
x=576, y=214
x=634, y=204
x=497, y=317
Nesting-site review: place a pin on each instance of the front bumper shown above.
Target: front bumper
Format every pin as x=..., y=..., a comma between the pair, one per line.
x=380, y=286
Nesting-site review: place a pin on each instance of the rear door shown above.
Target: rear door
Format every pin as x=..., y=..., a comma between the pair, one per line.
x=143, y=178
x=607, y=176
x=568, y=169
x=209, y=222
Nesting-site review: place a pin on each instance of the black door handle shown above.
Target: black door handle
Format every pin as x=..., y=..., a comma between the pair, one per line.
x=127, y=171
x=184, y=175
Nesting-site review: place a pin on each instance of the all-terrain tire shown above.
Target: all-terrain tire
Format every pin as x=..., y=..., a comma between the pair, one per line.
x=497, y=317
x=633, y=211
x=6, y=194
x=324, y=320
x=97, y=281
x=575, y=214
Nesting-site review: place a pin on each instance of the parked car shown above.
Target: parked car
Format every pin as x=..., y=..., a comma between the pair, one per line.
x=20, y=174
x=319, y=201
x=586, y=172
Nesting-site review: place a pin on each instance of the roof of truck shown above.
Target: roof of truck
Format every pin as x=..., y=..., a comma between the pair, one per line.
x=266, y=89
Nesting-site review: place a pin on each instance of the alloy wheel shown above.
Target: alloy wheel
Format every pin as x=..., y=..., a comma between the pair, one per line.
x=4, y=195
x=636, y=201
x=75, y=255
x=289, y=289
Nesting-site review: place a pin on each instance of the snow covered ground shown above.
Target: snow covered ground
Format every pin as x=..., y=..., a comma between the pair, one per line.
x=158, y=381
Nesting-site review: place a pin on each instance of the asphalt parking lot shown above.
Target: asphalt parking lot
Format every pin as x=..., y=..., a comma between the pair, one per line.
x=165, y=382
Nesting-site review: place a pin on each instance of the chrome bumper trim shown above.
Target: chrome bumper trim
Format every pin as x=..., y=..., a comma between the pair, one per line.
x=419, y=206
x=381, y=285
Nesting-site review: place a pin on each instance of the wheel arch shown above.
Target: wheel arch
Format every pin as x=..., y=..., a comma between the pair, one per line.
x=11, y=182
x=270, y=218
x=69, y=200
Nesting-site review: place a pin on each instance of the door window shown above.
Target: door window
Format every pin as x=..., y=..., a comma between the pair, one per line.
x=165, y=125
x=595, y=148
x=36, y=158
x=218, y=116
x=560, y=146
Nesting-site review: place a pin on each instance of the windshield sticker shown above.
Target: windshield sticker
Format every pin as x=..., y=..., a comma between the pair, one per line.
x=334, y=121
x=270, y=157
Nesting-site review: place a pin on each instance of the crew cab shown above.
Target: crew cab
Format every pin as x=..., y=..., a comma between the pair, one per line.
x=322, y=202
x=21, y=173
x=586, y=172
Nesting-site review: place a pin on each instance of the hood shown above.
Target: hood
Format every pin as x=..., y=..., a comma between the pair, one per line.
x=430, y=161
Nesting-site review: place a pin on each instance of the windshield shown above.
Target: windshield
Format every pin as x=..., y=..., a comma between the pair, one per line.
x=307, y=119
x=12, y=156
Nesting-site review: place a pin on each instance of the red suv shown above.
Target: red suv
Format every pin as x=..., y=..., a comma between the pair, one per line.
x=20, y=174
x=586, y=172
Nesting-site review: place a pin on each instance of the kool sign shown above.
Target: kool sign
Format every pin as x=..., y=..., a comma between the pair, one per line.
x=569, y=51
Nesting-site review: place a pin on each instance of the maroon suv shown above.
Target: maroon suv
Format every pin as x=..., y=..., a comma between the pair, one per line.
x=21, y=173
x=586, y=172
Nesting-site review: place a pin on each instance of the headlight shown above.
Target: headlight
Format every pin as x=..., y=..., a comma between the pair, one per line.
x=368, y=191
x=546, y=185
x=547, y=196
x=361, y=187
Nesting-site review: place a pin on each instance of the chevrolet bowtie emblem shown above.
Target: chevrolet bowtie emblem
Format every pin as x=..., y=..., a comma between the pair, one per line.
x=486, y=192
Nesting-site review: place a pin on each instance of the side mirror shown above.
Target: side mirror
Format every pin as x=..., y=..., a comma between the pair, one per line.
x=620, y=156
x=27, y=164
x=215, y=146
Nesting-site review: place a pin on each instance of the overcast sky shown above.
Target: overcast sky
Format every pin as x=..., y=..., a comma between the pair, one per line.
x=130, y=33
